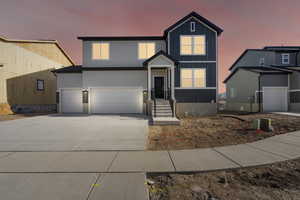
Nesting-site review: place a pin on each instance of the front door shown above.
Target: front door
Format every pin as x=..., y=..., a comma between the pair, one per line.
x=159, y=87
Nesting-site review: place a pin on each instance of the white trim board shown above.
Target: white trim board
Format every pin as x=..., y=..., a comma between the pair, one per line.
x=190, y=61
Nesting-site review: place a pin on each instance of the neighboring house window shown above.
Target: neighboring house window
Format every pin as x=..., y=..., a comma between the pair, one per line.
x=193, y=78
x=285, y=58
x=262, y=62
x=146, y=50
x=192, y=45
x=193, y=26
x=40, y=85
x=100, y=51
x=232, y=93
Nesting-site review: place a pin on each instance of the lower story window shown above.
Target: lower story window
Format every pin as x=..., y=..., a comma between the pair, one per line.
x=193, y=78
x=40, y=85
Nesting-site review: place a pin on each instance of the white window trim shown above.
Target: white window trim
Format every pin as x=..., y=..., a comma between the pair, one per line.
x=146, y=50
x=193, y=45
x=193, y=78
x=288, y=58
x=193, y=26
x=100, y=51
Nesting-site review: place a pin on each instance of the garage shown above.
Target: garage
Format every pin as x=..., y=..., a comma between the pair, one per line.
x=275, y=99
x=116, y=100
x=71, y=101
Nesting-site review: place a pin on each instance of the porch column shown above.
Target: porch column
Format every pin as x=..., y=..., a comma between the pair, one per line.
x=172, y=83
x=149, y=83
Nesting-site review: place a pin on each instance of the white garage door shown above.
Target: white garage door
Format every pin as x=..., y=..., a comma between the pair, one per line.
x=71, y=101
x=275, y=99
x=116, y=100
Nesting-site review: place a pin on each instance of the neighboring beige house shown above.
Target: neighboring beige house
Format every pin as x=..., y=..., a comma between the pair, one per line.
x=26, y=81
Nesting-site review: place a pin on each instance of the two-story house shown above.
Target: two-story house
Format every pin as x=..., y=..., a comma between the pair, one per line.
x=265, y=80
x=156, y=75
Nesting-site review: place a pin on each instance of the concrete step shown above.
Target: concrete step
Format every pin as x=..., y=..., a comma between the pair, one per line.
x=165, y=121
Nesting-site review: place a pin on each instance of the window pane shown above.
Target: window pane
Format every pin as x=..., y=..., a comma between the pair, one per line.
x=104, y=51
x=199, y=78
x=199, y=49
x=186, y=50
x=199, y=45
x=186, y=40
x=96, y=50
x=199, y=40
x=186, y=82
x=186, y=73
x=186, y=78
x=142, y=51
x=150, y=49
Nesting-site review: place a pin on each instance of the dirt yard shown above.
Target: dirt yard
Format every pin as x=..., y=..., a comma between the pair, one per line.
x=217, y=130
x=280, y=181
x=17, y=116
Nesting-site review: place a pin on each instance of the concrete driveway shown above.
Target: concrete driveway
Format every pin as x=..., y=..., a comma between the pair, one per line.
x=74, y=133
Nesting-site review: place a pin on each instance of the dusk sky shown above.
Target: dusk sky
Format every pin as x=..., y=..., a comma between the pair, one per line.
x=246, y=24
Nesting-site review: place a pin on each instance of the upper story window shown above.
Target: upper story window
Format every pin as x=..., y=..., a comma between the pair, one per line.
x=285, y=58
x=262, y=61
x=100, y=51
x=193, y=78
x=192, y=45
x=193, y=26
x=146, y=50
x=40, y=85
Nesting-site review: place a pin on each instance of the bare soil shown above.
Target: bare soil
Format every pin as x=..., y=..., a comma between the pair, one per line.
x=217, y=130
x=280, y=181
x=18, y=116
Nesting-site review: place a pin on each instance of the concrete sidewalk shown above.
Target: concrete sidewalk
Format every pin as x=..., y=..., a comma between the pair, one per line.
x=271, y=150
x=121, y=175
x=73, y=186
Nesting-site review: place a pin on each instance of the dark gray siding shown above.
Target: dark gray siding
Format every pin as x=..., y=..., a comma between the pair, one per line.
x=195, y=95
x=252, y=58
x=293, y=57
x=210, y=72
x=274, y=80
x=174, y=39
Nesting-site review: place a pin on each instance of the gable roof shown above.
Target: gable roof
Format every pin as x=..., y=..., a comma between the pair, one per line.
x=69, y=69
x=243, y=54
x=260, y=70
x=158, y=54
x=40, y=41
x=197, y=16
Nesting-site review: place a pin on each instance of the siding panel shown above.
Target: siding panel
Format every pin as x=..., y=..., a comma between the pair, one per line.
x=195, y=95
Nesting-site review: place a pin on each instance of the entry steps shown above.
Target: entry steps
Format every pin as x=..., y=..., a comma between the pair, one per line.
x=162, y=113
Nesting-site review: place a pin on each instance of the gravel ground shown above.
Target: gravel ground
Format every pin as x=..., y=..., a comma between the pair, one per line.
x=280, y=181
x=217, y=130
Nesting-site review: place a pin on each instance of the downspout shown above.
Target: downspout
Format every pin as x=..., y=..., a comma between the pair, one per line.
x=259, y=93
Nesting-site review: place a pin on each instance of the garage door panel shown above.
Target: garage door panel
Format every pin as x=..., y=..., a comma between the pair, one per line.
x=275, y=99
x=116, y=100
x=71, y=101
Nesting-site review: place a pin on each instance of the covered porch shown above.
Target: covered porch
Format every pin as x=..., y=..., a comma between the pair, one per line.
x=161, y=77
x=161, y=88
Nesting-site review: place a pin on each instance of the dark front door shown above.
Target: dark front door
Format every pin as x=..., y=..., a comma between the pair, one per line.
x=159, y=87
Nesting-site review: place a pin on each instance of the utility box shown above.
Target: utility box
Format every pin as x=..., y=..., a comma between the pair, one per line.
x=264, y=124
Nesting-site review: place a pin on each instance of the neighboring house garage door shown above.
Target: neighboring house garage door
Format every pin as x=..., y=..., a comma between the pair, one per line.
x=116, y=100
x=275, y=99
x=71, y=101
